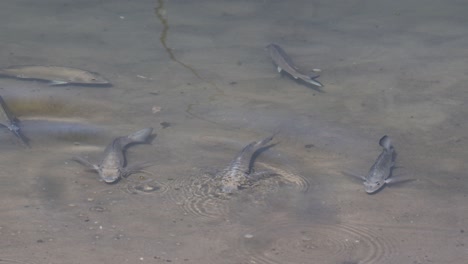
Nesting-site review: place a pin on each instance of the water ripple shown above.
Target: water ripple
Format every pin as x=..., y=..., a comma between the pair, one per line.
x=298, y=242
x=139, y=183
x=198, y=195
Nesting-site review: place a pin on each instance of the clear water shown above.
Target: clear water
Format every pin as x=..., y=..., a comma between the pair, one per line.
x=197, y=72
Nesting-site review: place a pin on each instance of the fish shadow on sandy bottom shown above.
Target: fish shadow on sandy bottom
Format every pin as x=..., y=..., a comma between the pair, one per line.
x=45, y=130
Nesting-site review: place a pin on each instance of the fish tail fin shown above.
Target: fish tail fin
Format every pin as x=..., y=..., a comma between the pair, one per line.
x=386, y=143
x=254, y=146
x=24, y=140
x=140, y=136
x=245, y=158
x=311, y=80
x=264, y=141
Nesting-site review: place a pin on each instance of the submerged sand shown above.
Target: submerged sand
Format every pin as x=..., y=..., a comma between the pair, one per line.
x=389, y=67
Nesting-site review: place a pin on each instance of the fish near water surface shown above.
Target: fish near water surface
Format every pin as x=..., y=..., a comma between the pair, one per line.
x=112, y=166
x=8, y=120
x=284, y=63
x=55, y=75
x=239, y=171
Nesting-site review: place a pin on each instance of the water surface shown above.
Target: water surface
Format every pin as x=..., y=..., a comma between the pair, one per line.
x=196, y=71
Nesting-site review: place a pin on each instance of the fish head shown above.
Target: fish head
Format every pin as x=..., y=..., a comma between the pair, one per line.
x=229, y=187
x=109, y=175
x=373, y=186
x=89, y=78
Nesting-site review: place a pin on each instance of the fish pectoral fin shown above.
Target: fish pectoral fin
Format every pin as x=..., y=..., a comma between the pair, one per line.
x=354, y=175
x=55, y=82
x=85, y=163
x=279, y=69
x=395, y=182
x=137, y=167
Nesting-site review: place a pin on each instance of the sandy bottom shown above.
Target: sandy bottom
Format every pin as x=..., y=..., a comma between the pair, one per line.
x=397, y=68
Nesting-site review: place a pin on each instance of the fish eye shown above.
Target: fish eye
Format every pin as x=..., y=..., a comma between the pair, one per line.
x=378, y=184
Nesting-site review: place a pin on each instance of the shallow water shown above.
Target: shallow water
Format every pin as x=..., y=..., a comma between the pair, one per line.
x=389, y=67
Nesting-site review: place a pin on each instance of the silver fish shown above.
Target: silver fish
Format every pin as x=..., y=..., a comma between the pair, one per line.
x=9, y=121
x=239, y=171
x=379, y=174
x=112, y=166
x=284, y=63
x=55, y=75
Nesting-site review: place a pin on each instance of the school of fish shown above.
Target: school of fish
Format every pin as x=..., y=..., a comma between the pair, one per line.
x=237, y=175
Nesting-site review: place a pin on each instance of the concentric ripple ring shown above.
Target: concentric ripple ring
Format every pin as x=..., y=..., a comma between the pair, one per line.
x=198, y=196
x=299, y=242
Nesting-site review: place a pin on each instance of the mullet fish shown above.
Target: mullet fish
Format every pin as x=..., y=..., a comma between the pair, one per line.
x=380, y=173
x=112, y=166
x=284, y=63
x=239, y=171
x=55, y=75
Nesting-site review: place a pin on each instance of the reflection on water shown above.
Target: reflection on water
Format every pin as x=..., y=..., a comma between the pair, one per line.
x=197, y=72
